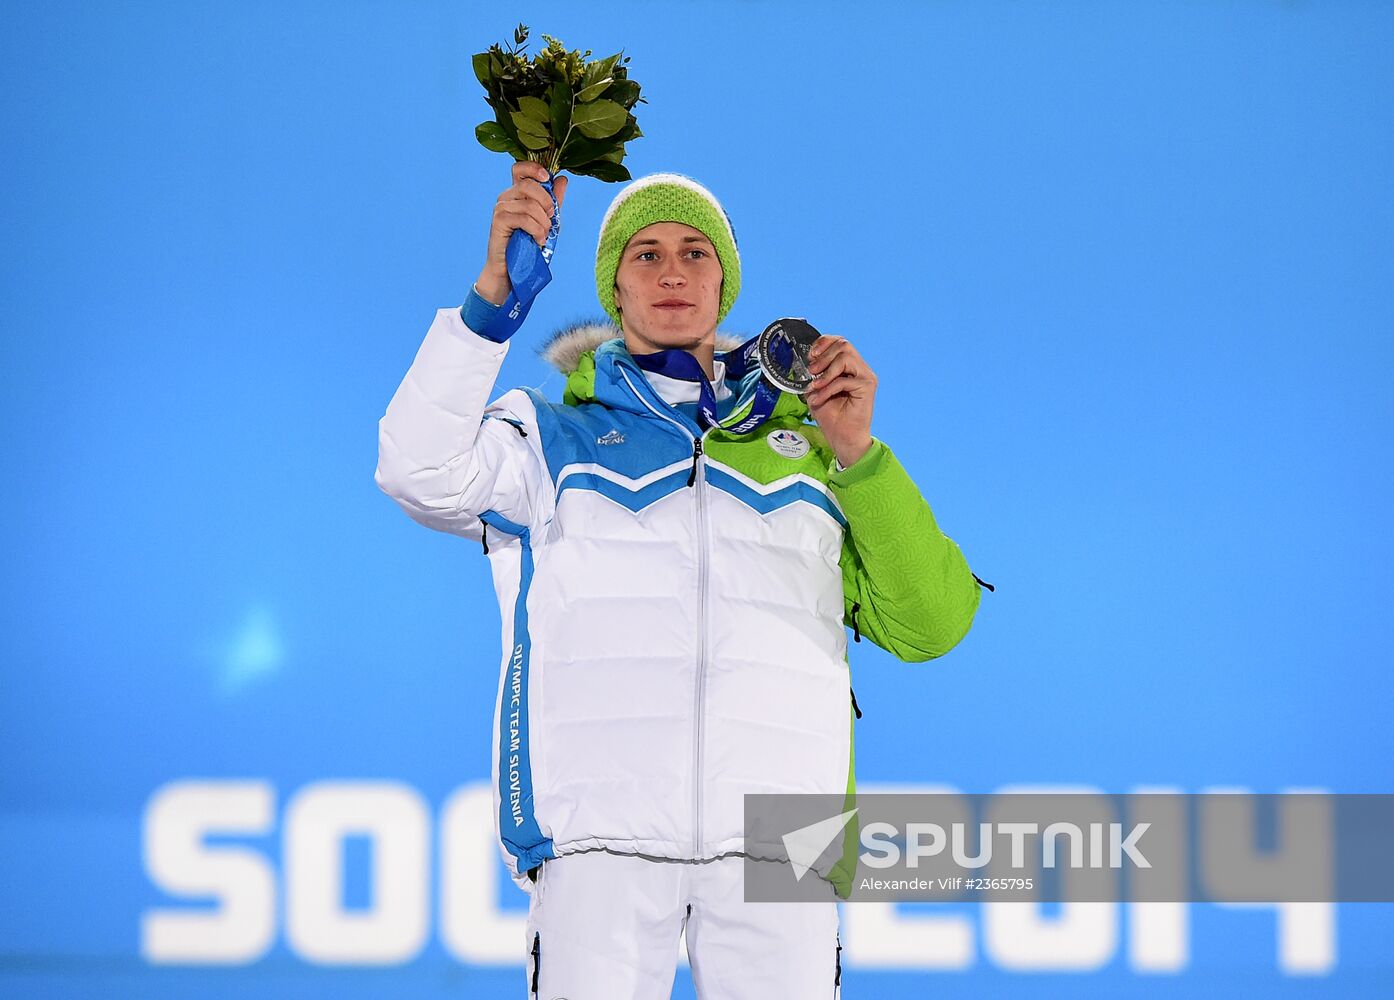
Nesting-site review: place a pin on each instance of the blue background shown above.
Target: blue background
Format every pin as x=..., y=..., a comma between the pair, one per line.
x=1123, y=271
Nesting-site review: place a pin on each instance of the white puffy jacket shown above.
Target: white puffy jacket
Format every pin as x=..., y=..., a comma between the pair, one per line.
x=673, y=614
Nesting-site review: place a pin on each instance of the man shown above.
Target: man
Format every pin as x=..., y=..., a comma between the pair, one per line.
x=675, y=559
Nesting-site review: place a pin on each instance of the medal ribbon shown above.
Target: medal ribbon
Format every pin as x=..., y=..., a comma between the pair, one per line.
x=679, y=364
x=738, y=363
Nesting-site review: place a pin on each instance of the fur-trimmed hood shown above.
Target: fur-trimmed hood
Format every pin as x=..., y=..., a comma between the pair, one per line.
x=563, y=349
x=593, y=370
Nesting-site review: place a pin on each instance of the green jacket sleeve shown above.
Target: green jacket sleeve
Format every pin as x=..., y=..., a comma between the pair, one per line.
x=905, y=581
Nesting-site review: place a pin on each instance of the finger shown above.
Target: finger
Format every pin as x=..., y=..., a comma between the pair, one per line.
x=837, y=349
x=827, y=347
x=853, y=386
x=527, y=183
x=837, y=364
x=539, y=194
x=559, y=189
x=530, y=193
x=528, y=218
x=525, y=210
x=524, y=169
x=824, y=343
x=537, y=229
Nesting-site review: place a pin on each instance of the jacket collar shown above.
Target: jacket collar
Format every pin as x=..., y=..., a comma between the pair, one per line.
x=599, y=369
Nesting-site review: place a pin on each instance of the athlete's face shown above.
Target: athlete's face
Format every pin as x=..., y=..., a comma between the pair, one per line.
x=668, y=288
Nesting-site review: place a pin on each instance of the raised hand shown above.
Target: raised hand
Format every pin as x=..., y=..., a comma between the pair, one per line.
x=526, y=206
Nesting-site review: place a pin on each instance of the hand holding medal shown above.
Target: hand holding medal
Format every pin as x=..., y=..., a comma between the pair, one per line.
x=836, y=382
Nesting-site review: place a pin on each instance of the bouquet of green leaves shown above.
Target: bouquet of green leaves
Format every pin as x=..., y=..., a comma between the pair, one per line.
x=557, y=109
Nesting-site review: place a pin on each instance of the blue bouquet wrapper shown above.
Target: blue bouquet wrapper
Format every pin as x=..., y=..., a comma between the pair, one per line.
x=529, y=272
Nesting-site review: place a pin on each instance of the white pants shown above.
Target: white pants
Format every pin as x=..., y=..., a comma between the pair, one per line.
x=605, y=926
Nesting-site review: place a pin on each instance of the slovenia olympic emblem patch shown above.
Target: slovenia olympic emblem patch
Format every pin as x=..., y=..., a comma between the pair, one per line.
x=790, y=444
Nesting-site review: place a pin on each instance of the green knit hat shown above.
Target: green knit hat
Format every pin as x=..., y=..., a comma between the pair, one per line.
x=665, y=198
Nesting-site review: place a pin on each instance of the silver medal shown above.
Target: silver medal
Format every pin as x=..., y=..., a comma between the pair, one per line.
x=783, y=353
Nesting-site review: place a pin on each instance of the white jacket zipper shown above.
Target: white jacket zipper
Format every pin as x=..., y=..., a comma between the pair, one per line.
x=699, y=481
x=699, y=699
